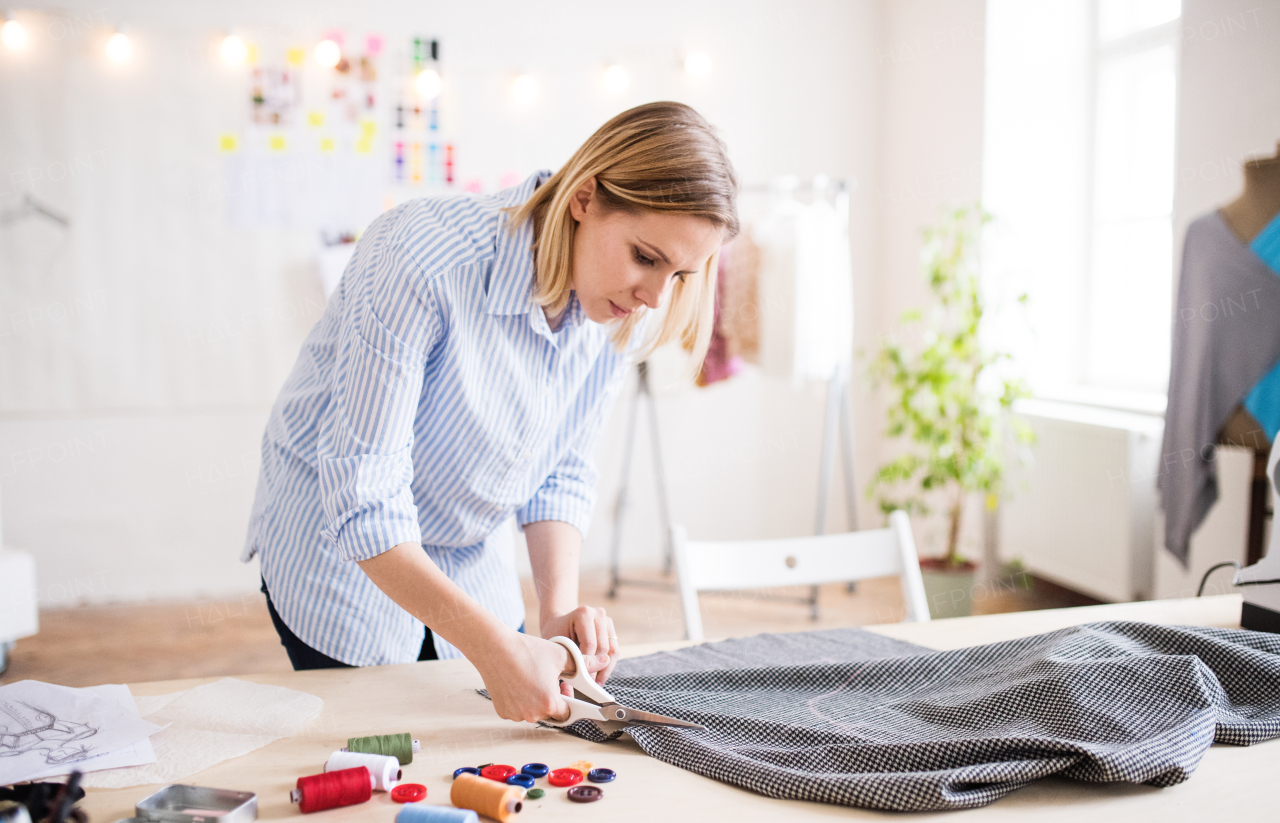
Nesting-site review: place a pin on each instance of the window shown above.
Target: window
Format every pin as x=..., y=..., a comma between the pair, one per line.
x=1131, y=273
x=1079, y=170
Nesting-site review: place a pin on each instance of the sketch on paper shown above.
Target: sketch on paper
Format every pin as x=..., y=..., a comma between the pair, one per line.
x=25, y=728
x=44, y=729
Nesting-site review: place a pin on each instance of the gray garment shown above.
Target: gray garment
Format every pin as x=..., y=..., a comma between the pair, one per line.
x=798, y=649
x=1226, y=336
x=921, y=731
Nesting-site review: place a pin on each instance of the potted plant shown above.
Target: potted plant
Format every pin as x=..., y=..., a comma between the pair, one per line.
x=948, y=403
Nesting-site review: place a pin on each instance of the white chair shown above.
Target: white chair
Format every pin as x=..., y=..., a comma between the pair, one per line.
x=798, y=561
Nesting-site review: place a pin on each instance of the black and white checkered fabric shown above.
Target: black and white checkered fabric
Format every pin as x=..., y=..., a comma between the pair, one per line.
x=920, y=731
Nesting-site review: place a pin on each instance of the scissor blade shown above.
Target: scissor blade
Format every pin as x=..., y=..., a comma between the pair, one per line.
x=615, y=711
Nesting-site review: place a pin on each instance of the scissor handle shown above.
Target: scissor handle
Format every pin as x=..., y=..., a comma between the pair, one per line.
x=581, y=679
x=578, y=710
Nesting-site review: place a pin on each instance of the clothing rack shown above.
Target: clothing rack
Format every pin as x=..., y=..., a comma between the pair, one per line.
x=643, y=395
x=838, y=427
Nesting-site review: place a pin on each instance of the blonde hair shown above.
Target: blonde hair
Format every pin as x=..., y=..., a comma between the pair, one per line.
x=662, y=157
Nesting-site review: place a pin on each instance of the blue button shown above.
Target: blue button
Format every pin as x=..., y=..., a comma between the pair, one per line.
x=465, y=770
x=523, y=780
x=535, y=769
x=601, y=775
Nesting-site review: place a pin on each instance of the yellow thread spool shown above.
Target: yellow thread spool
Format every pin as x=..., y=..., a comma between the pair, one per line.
x=487, y=797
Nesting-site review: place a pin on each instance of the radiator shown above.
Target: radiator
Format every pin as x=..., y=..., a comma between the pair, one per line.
x=1082, y=511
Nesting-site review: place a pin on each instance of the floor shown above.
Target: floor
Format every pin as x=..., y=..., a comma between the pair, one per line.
x=161, y=641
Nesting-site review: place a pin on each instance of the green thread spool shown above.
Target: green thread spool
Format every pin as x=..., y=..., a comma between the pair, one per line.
x=400, y=746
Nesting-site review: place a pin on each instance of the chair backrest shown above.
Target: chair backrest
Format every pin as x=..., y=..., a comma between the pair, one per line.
x=798, y=561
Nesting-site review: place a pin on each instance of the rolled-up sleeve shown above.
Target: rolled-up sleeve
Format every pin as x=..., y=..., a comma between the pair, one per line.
x=569, y=492
x=366, y=438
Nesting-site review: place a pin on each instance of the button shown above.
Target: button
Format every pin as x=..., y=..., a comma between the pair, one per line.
x=583, y=766
x=601, y=775
x=585, y=794
x=410, y=792
x=534, y=794
x=465, y=770
x=565, y=777
x=498, y=772
x=524, y=781
x=535, y=769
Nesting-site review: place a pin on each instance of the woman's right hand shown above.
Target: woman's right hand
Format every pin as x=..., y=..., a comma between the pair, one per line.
x=522, y=674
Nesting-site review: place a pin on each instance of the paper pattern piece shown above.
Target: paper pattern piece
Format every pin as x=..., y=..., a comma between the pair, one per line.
x=44, y=726
x=136, y=755
x=209, y=724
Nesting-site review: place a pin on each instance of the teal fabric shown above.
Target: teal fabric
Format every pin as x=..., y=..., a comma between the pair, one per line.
x=1263, y=401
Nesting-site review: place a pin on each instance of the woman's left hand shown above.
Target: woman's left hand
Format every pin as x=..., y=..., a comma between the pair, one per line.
x=595, y=635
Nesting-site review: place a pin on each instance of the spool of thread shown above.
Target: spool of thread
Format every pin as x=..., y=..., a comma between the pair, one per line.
x=422, y=813
x=491, y=799
x=384, y=768
x=400, y=746
x=318, y=792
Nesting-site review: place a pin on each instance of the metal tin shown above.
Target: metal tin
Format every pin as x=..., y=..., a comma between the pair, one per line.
x=197, y=804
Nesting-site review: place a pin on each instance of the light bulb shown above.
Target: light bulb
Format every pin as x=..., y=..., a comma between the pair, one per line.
x=14, y=34
x=233, y=50
x=616, y=79
x=524, y=90
x=328, y=53
x=118, y=47
x=428, y=84
x=697, y=64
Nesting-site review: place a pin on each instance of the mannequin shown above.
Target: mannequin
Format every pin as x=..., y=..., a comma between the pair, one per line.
x=1229, y=256
x=1259, y=203
x=1246, y=216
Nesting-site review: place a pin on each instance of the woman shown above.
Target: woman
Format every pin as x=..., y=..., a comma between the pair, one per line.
x=461, y=373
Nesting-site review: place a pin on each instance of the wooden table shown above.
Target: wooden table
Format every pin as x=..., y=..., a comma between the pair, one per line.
x=437, y=702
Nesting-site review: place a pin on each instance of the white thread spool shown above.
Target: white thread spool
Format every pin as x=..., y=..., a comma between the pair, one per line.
x=384, y=768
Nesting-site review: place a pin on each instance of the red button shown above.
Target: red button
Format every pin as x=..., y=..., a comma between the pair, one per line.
x=498, y=772
x=565, y=777
x=408, y=793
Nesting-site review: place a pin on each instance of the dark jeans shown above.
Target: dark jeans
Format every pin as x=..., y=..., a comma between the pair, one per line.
x=303, y=656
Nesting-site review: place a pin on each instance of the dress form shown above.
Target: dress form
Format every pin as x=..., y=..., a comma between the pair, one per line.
x=1246, y=217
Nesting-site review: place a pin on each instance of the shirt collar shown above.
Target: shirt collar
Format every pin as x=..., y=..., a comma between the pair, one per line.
x=511, y=281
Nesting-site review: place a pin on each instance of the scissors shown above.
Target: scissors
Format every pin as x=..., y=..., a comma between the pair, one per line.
x=604, y=707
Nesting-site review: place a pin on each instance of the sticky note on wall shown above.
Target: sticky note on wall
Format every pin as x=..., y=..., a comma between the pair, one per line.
x=296, y=55
x=315, y=118
x=277, y=142
x=327, y=144
x=228, y=143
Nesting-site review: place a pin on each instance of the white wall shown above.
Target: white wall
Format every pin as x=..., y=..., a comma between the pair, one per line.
x=930, y=149
x=1228, y=100
x=140, y=351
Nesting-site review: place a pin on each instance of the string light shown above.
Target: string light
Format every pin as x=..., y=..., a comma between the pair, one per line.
x=328, y=53
x=233, y=50
x=119, y=49
x=616, y=79
x=697, y=64
x=428, y=84
x=14, y=34
x=524, y=90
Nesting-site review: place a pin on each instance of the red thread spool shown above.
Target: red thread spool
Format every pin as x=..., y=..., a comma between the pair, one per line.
x=329, y=790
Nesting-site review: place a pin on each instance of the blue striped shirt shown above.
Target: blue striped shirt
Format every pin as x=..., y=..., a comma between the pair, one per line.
x=430, y=402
